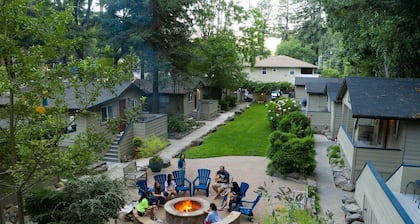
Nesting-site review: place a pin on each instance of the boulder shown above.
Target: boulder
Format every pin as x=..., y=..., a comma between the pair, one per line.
x=166, y=162
x=340, y=181
x=352, y=208
x=350, y=218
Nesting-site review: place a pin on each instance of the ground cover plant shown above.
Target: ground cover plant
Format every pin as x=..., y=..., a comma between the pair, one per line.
x=247, y=135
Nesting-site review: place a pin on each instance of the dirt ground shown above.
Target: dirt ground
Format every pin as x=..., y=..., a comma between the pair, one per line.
x=250, y=169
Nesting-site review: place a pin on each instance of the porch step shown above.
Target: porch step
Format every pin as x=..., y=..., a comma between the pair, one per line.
x=112, y=154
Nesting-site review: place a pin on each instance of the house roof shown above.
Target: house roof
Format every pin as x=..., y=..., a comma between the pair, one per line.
x=320, y=85
x=390, y=98
x=104, y=96
x=332, y=89
x=282, y=61
x=168, y=88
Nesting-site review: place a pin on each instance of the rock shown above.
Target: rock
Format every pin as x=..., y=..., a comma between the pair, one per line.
x=350, y=218
x=357, y=222
x=294, y=175
x=348, y=187
x=339, y=181
x=352, y=208
x=230, y=118
x=348, y=199
x=166, y=162
x=337, y=169
x=197, y=142
x=238, y=112
x=313, y=183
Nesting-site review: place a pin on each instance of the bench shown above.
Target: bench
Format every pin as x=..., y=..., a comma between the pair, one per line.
x=133, y=173
x=232, y=218
x=143, y=219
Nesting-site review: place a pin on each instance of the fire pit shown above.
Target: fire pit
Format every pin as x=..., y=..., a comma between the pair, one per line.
x=186, y=210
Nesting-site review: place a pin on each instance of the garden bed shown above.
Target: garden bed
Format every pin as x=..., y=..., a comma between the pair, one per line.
x=179, y=135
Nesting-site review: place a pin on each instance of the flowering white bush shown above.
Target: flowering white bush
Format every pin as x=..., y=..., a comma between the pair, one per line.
x=279, y=107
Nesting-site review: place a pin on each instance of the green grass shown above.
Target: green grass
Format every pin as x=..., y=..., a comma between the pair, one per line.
x=247, y=135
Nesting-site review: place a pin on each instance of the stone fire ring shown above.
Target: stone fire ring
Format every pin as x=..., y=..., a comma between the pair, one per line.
x=180, y=217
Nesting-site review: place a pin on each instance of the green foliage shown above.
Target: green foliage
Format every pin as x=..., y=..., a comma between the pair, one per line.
x=263, y=87
x=297, y=123
x=293, y=155
x=151, y=146
x=177, y=123
x=137, y=141
x=228, y=102
x=278, y=108
x=295, y=49
x=331, y=73
x=93, y=199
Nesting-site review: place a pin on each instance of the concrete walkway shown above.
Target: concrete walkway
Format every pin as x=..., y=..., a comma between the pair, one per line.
x=330, y=196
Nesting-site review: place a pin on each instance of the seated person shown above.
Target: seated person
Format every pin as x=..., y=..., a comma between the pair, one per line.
x=157, y=194
x=170, y=187
x=143, y=208
x=212, y=215
x=222, y=181
x=231, y=195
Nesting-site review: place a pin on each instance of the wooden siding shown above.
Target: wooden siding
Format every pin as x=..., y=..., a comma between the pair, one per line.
x=375, y=200
x=208, y=109
x=300, y=93
x=412, y=143
x=346, y=147
x=152, y=127
x=336, y=117
x=385, y=161
x=320, y=121
x=317, y=103
x=126, y=147
x=279, y=75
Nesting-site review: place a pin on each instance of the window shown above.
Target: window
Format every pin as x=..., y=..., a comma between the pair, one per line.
x=106, y=113
x=274, y=69
x=291, y=71
x=264, y=71
x=190, y=97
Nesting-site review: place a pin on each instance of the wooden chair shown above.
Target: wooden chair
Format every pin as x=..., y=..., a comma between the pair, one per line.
x=202, y=181
x=180, y=180
x=247, y=210
x=133, y=172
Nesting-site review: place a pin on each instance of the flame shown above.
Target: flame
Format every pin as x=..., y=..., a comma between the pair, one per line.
x=187, y=206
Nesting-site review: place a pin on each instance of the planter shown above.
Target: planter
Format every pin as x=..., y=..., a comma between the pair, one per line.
x=155, y=166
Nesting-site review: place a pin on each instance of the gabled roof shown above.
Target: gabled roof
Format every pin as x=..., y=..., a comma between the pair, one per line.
x=388, y=98
x=104, y=97
x=319, y=85
x=332, y=89
x=169, y=88
x=282, y=61
x=301, y=81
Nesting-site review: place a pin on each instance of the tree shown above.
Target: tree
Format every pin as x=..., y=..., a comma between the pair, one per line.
x=33, y=40
x=295, y=49
x=380, y=39
x=218, y=62
x=157, y=30
x=285, y=18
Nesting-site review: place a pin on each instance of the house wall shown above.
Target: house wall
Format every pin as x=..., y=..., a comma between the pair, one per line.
x=371, y=195
x=401, y=177
x=320, y=121
x=317, y=103
x=412, y=142
x=126, y=147
x=208, y=109
x=176, y=104
x=345, y=142
x=272, y=74
x=156, y=126
x=300, y=93
x=385, y=161
x=336, y=117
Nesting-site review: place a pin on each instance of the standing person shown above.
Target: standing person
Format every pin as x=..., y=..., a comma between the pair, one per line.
x=181, y=162
x=222, y=181
x=143, y=208
x=170, y=186
x=212, y=215
x=234, y=192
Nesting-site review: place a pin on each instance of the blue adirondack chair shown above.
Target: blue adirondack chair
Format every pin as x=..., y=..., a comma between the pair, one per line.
x=161, y=178
x=202, y=181
x=247, y=210
x=180, y=180
x=237, y=201
x=142, y=186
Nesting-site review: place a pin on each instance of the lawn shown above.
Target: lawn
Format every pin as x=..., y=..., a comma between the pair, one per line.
x=247, y=135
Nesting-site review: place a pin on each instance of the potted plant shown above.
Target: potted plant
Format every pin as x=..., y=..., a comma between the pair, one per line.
x=156, y=163
x=137, y=142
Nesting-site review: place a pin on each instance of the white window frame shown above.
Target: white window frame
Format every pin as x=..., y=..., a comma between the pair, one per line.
x=106, y=113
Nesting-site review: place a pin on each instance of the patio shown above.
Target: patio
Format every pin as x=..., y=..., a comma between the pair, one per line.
x=250, y=169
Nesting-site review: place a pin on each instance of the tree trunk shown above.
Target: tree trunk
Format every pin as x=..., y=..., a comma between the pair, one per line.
x=19, y=198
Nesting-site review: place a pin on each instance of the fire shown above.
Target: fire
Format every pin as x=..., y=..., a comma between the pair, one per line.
x=187, y=206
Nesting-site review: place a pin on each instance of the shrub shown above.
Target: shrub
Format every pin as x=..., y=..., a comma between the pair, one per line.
x=293, y=155
x=297, y=123
x=137, y=141
x=151, y=146
x=280, y=107
x=93, y=200
x=176, y=123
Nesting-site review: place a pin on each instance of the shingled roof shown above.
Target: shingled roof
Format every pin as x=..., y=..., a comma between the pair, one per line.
x=386, y=98
x=282, y=61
